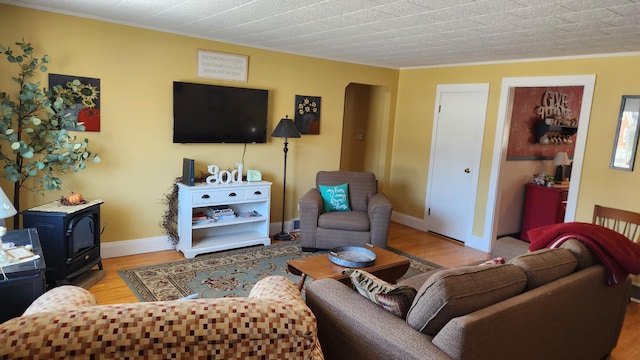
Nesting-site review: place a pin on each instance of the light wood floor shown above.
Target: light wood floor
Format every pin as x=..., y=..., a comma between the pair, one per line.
x=112, y=289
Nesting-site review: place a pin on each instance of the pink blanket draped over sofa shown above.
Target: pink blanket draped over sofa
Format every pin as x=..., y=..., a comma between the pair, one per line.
x=619, y=255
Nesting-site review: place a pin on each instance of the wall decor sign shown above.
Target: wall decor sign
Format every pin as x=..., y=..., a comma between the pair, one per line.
x=223, y=66
x=307, y=118
x=86, y=98
x=535, y=109
x=625, y=144
x=224, y=176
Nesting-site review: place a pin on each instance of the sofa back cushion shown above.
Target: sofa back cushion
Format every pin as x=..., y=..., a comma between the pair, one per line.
x=458, y=291
x=580, y=251
x=545, y=265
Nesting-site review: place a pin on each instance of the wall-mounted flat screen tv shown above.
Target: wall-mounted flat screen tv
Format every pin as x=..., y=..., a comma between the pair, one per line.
x=219, y=114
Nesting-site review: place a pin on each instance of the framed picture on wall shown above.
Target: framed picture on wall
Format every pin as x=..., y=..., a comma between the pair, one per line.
x=307, y=112
x=625, y=144
x=85, y=96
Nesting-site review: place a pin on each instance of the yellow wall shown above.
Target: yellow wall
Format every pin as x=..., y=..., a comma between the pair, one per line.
x=136, y=68
x=615, y=76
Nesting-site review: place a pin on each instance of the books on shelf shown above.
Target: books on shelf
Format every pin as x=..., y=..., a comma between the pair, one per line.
x=212, y=214
x=200, y=215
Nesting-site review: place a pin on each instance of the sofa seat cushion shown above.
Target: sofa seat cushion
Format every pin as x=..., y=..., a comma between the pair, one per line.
x=545, y=265
x=459, y=291
x=344, y=220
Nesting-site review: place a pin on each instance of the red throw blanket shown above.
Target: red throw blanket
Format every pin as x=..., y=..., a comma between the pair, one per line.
x=619, y=255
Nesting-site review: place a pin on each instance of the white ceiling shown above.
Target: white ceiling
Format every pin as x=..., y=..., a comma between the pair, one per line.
x=387, y=33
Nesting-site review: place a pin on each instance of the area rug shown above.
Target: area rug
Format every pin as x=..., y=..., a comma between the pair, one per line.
x=224, y=274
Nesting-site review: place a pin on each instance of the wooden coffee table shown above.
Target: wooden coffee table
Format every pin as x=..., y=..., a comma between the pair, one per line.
x=388, y=266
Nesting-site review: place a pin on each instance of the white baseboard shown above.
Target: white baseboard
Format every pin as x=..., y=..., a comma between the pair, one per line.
x=134, y=247
x=275, y=228
x=159, y=243
x=408, y=220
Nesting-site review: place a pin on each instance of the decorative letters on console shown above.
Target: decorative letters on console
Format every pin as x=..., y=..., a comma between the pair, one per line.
x=224, y=176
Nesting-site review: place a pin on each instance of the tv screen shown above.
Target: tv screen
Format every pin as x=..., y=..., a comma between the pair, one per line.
x=219, y=114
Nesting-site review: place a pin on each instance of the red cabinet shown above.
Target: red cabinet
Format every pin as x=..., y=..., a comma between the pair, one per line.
x=542, y=206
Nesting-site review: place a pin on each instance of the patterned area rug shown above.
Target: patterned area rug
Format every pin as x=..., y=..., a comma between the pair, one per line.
x=225, y=274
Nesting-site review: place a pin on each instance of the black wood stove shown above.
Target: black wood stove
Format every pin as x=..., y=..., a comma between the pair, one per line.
x=69, y=236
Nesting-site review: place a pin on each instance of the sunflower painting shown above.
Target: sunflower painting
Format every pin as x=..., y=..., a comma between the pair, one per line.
x=307, y=112
x=83, y=93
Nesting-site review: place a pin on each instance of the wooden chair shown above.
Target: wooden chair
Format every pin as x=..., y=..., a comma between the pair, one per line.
x=624, y=222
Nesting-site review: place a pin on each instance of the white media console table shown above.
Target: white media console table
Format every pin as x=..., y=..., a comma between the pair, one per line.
x=250, y=202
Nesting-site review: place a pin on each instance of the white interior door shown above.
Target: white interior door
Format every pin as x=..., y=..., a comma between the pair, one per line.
x=455, y=159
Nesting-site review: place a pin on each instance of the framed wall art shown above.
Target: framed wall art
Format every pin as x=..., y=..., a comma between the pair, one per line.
x=307, y=118
x=625, y=144
x=84, y=92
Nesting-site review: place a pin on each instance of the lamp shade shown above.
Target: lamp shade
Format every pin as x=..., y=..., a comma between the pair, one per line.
x=561, y=159
x=6, y=207
x=286, y=129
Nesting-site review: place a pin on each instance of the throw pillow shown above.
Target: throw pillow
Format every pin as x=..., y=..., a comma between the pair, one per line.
x=335, y=197
x=368, y=285
x=395, y=299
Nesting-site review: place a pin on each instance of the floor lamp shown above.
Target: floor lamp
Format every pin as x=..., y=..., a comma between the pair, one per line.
x=286, y=129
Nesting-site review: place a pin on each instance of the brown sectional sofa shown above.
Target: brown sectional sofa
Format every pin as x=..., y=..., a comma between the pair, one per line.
x=549, y=304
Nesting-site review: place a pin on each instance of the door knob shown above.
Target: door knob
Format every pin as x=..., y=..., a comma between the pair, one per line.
x=467, y=170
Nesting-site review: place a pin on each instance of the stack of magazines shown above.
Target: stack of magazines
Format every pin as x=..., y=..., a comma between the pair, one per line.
x=220, y=213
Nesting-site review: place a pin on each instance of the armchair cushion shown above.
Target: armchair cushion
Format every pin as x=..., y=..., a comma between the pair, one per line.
x=352, y=221
x=335, y=197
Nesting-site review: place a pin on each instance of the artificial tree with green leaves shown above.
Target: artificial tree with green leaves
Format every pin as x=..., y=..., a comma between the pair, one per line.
x=35, y=142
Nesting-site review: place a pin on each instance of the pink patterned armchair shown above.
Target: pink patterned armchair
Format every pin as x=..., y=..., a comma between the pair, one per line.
x=273, y=322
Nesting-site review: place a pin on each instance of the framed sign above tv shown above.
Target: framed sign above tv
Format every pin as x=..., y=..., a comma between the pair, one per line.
x=217, y=65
